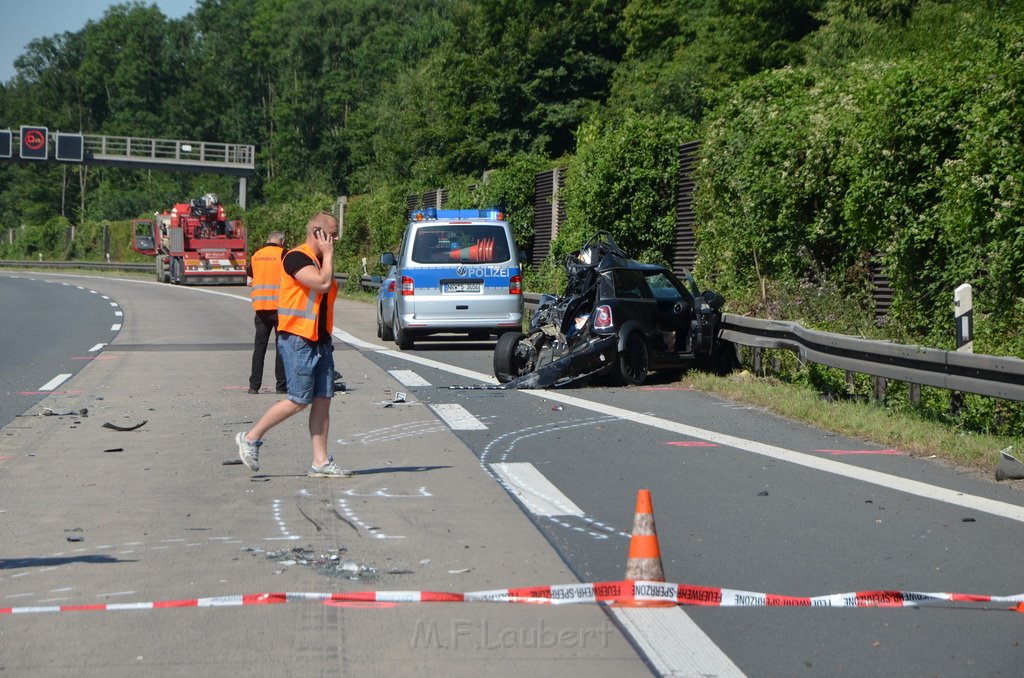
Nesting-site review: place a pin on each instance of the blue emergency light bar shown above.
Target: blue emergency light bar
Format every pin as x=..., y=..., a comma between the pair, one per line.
x=434, y=213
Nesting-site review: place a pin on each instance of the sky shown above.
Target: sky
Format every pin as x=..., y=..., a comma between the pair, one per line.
x=24, y=20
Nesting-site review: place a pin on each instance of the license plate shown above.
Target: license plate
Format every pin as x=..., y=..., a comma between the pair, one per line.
x=461, y=288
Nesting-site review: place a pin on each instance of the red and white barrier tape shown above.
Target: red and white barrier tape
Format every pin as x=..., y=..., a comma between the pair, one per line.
x=617, y=592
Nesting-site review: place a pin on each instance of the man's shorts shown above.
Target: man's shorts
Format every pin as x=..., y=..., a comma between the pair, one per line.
x=309, y=367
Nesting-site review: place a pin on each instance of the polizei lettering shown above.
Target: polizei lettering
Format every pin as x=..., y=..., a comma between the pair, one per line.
x=482, y=271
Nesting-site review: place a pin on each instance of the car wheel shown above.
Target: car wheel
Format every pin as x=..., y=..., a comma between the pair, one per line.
x=512, y=357
x=633, y=361
x=380, y=324
x=386, y=332
x=402, y=338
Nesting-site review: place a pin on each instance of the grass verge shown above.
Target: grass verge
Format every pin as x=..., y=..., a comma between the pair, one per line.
x=869, y=422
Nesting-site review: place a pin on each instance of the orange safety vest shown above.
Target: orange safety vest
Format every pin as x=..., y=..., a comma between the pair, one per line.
x=298, y=306
x=266, y=277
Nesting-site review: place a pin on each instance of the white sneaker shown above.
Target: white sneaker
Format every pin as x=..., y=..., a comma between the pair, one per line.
x=248, y=452
x=329, y=470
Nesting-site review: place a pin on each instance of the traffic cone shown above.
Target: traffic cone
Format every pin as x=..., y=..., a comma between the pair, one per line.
x=644, y=561
x=481, y=251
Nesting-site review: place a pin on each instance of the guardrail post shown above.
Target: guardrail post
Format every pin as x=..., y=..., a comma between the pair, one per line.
x=915, y=394
x=879, y=391
x=963, y=317
x=755, y=358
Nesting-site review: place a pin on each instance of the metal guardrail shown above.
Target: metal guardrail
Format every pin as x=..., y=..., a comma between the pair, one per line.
x=988, y=375
x=88, y=265
x=995, y=376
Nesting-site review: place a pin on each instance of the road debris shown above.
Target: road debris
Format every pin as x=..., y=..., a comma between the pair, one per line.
x=115, y=427
x=48, y=412
x=1009, y=467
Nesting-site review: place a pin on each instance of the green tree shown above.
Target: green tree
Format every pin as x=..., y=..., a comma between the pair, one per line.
x=623, y=180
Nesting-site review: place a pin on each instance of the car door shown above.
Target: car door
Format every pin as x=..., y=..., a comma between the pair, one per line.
x=635, y=303
x=675, y=310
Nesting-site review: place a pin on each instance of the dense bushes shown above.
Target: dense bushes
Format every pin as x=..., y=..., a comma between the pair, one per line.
x=918, y=162
x=836, y=134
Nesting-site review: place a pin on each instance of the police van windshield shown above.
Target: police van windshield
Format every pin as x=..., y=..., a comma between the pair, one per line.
x=462, y=243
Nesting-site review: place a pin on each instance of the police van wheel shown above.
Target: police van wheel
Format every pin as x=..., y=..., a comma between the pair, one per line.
x=383, y=331
x=402, y=338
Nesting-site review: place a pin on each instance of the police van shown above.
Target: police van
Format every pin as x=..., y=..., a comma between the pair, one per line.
x=457, y=272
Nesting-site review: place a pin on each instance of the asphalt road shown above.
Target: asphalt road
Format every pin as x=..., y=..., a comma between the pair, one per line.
x=749, y=501
x=502, y=488
x=51, y=330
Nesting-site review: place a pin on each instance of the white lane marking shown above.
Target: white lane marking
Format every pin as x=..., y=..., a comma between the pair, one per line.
x=536, y=492
x=408, y=378
x=673, y=642
x=458, y=417
x=54, y=383
x=114, y=304
x=913, y=487
x=384, y=492
x=115, y=327
x=118, y=314
x=505, y=444
x=681, y=638
x=97, y=347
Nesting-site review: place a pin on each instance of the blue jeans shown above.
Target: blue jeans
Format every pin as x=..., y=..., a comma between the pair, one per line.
x=309, y=366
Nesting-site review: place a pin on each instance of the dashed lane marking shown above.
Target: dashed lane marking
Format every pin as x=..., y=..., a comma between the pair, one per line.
x=503, y=447
x=536, y=492
x=458, y=417
x=55, y=382
x=408, y=378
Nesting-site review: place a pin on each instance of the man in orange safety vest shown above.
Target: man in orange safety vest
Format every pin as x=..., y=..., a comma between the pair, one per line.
x=263, y=274
x=305, y=323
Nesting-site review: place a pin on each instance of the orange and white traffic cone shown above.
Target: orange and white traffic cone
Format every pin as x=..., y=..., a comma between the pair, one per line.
x=644, y=561
x=481, y=251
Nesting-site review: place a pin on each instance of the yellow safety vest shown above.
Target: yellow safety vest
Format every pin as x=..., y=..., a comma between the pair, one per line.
x=298, y=306
x=266, y=277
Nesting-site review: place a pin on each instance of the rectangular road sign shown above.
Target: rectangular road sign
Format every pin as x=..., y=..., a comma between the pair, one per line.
x=69, y=147
x=34, y=143
x=5, y=143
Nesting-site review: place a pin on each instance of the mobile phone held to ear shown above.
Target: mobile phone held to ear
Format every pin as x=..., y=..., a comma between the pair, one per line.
x=318, y=232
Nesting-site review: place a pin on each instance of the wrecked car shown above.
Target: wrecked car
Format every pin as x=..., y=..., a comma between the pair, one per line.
x=618, y=318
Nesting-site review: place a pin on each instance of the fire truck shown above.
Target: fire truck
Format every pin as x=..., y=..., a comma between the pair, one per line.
x=194, y=244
